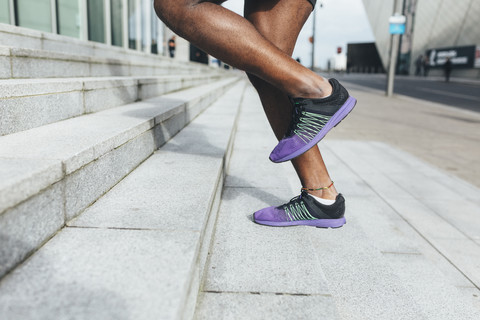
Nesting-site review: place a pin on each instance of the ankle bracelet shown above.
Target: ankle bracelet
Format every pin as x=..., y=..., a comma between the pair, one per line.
x=322, y=188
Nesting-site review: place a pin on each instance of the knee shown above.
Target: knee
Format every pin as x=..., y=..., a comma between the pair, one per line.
x=174, y=12
x=260, y=85
x=168, y=10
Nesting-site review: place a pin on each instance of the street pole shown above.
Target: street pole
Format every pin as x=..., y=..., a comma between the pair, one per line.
x=392, y=64
x=395, y=38
x=314, y=38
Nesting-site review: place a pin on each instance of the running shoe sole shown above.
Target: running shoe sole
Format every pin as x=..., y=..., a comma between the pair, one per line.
x=319, y=223
x=341, y=114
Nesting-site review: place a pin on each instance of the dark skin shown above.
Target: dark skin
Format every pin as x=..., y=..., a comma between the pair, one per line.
x=268, y=35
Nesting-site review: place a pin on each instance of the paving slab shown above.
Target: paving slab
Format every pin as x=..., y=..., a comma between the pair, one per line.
x=85, y=186
x=77, y=276
x=265, y=306
x=362, y=283
x=430, y=231
x=34, y=111
x=17, y=36
x=388, y=229
x=27, y=226
x=246, y=257
x=5, y=63
x=23, y=178
x=148, y=206
x=442, y=136
x=436, y=297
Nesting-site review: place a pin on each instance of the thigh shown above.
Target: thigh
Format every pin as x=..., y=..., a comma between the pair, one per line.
x=279, y=21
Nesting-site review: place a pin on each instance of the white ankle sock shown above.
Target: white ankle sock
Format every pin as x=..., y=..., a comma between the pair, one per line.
x=326, y=202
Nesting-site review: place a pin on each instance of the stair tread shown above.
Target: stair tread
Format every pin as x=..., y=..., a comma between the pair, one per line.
x=25, y=87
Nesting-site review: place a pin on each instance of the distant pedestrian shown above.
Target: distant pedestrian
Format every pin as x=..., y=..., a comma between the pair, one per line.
x=426, y=66
x=171, y=47
x=448, y=69
x=419, y=66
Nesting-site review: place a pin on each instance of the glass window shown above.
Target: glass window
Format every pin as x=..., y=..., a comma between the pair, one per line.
x=155, y=35
x=96, y=20
x=4, y=11
x=132, y=24
x=68, y=18
x=117, y=25
x=145, y=41
x=35, y=14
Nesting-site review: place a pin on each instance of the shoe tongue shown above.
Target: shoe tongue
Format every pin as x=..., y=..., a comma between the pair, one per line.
x=291, y=127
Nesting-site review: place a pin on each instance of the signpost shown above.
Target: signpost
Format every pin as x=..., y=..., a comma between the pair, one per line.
x=397, y=27
x=463, y=57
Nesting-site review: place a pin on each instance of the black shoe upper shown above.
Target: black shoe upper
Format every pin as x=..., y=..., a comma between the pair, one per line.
x=325, y=106
x=321, y=211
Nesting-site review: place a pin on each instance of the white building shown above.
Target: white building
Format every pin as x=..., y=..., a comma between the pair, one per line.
x=125, y=23
x=444, y=27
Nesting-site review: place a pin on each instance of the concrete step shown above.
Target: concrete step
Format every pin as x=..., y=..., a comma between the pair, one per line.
x=21, y=63
x=19, y=37
x=30, y=103
x=139, y=251
x=52, y=173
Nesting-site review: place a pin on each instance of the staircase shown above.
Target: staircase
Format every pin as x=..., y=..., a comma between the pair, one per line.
x=76, y=118
x=125, y=188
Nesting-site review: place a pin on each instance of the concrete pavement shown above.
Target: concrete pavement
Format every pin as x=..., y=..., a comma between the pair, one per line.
x=460, y=93
x=446, y=137
x=406, y=251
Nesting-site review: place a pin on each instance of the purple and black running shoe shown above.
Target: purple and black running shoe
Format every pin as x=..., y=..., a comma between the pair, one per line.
x=304, y=210
x=312, y=120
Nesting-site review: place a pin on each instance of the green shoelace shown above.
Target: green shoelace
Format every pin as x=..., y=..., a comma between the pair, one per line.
x=309, y=124
x=297, y=211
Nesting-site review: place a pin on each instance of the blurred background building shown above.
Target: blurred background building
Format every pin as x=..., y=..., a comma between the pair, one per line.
x=130, y=24
x=435, y=30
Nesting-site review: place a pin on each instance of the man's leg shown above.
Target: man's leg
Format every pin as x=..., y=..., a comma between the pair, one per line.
x=234, y=40
x=281, y=24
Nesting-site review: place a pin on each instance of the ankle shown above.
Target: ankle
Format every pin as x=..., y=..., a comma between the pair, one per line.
x=313, y=88
x=325, y=194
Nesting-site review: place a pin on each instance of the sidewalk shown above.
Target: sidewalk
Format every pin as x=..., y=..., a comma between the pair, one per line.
x=407, y=252
x=447, y=138
x=438, y=78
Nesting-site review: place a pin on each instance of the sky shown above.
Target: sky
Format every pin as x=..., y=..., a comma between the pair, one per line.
x=338, y=22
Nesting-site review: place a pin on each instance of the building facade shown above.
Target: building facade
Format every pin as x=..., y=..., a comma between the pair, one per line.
x=434, y=30
x=130, y=24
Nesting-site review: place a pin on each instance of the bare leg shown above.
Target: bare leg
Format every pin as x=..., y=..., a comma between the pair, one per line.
x=231, y=38
x=281, y=25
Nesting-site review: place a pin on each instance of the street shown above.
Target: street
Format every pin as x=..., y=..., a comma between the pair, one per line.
x=454, y=94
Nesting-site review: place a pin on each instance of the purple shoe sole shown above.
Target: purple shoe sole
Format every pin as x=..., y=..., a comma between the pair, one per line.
x=319, y=223
x=333, y=122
